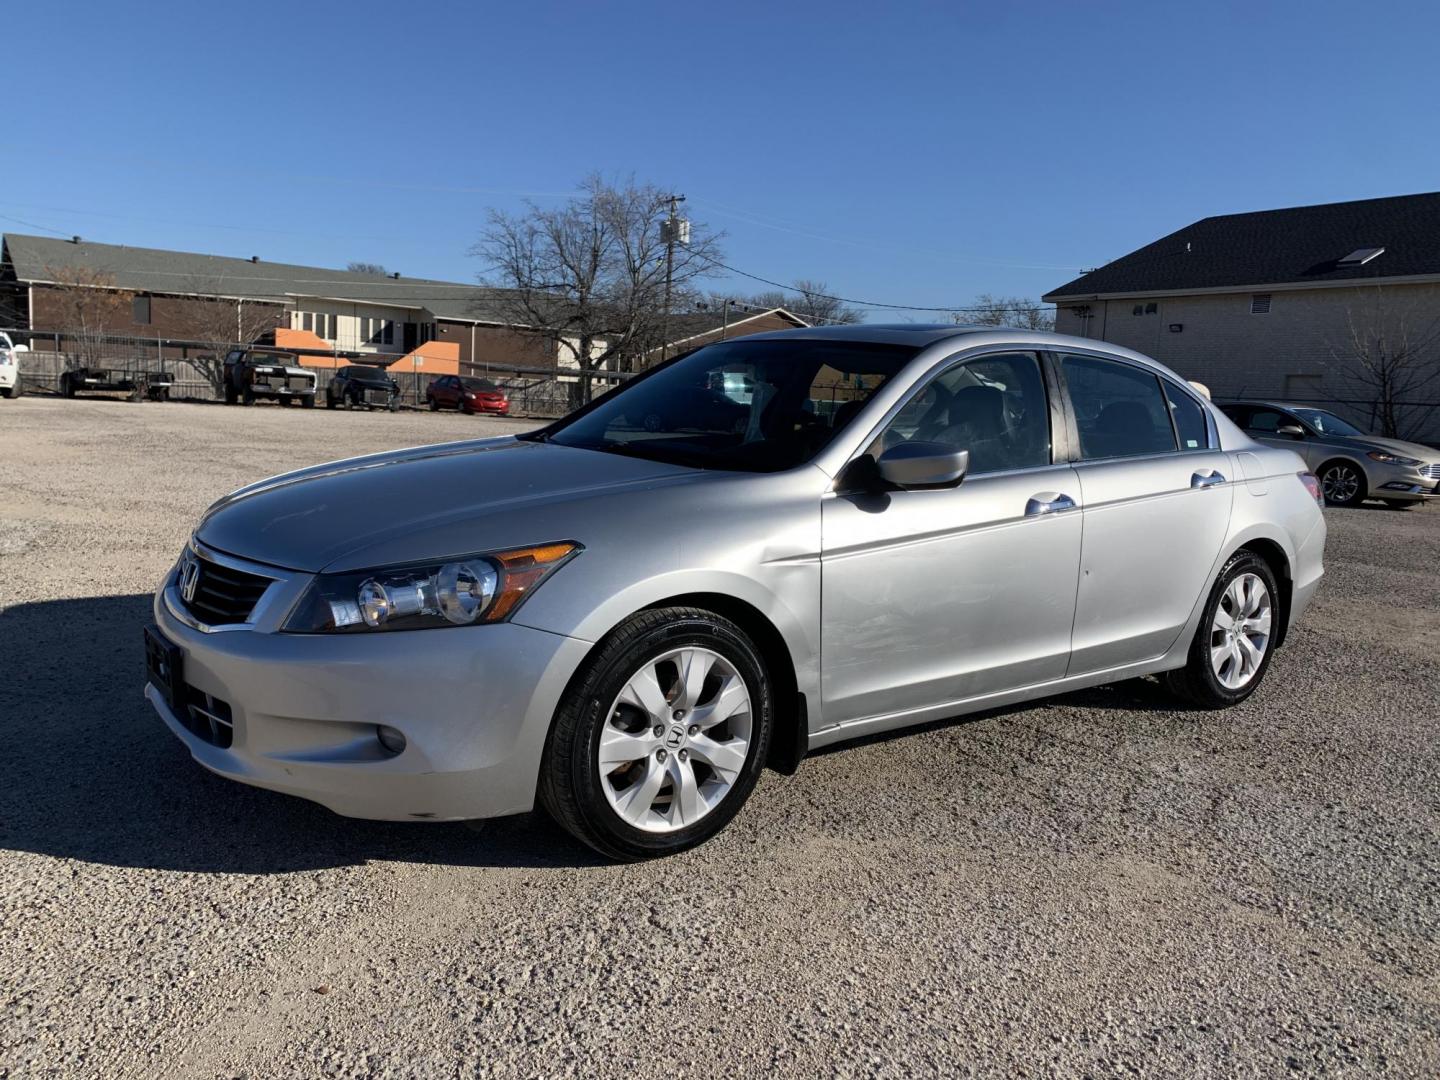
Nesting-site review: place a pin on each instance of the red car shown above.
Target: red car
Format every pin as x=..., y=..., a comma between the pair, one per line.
x=467, y=394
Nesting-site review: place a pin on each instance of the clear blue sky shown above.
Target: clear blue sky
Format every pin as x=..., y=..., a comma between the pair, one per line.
x=917, y=153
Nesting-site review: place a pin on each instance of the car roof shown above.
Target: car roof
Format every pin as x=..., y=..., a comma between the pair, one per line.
x=924, y=335
x=1270, y=404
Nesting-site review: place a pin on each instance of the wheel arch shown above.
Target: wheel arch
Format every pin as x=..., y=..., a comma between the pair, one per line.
x=790, y=735
x=1279, y=562
x=1355, y=463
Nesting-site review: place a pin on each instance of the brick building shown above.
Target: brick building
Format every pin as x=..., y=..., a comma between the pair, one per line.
x=1281, y=303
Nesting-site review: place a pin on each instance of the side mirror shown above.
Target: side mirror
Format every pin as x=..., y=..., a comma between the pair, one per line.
x=20, y=348
x=1295, y=431
x=923, y=465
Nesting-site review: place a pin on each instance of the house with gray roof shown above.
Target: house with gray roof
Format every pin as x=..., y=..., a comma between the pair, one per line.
x=1301, y=304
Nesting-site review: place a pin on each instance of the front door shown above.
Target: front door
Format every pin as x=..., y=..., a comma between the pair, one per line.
x=932, y=597
x=1157, y=495
x=411, y=337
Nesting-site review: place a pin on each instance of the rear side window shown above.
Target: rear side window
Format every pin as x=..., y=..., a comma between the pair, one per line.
x=1189, y=418
x=1120, y=410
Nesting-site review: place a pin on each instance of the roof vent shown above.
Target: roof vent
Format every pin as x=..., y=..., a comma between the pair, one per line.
x=74, y=239
x=1260, y=304
x=254, y=258
x=1361, y=256
x=396, y=274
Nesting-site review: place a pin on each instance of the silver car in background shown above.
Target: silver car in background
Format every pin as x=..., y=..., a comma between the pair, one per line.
x=1352, y=465
x=767, y=546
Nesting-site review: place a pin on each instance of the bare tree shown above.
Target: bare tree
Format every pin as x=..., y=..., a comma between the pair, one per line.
x=365, y=268
x=811, y=300
x=91, y=309
x=590, y=275
x=1017, y=311
x=1391, y=349
x=216, y=322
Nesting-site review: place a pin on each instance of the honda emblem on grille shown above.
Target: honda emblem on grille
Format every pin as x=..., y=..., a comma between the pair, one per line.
x=189, y=579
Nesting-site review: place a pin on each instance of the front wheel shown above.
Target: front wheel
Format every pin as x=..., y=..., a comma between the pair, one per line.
x=1343, y=483
x=1231, y=650
x=308, y=401
x=662, y=737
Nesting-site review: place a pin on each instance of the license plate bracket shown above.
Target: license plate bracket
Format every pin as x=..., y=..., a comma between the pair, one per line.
x=164, y=666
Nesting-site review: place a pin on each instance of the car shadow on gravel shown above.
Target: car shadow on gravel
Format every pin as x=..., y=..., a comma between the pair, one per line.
x=91, y=773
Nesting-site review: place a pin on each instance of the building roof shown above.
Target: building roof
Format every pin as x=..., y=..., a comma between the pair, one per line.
x=1299, y=245
x=36, y=258
x=699, y=324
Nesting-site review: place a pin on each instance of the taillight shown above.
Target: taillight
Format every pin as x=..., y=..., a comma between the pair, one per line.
x=1312, y=485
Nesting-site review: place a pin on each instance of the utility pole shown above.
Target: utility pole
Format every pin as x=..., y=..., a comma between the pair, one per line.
x=673, y=230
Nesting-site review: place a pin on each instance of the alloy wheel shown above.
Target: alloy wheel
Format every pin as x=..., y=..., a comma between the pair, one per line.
x=1240, y=631
x=675, y=740
x=1341, y=483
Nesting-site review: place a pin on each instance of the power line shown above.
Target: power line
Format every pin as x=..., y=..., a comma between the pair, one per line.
x=867, y=303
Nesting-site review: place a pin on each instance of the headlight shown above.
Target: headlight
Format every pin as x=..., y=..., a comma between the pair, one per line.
x=1391, y=459
x=467, y=591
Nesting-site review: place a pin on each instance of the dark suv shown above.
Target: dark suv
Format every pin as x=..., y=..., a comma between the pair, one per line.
x=362, y=387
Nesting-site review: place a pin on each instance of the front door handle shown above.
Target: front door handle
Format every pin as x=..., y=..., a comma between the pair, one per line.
x=1048, y=502
x=1206, y=479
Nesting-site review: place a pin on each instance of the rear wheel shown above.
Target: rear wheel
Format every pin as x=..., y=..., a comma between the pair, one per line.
x=434, y=405
x=1342, y=482
x=661, y=738
x=1231, y=650
x=67, y=386
x=247, y=397
x=230, y=395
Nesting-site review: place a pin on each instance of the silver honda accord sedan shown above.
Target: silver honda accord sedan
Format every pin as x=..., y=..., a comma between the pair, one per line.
x=760, y=548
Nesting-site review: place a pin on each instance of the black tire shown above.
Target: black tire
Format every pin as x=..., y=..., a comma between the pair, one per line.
x=67, y=386
x=394, y=404
x=247, y=397
x=330, y=402
x=285, y=402
x=434, y=405
x=1399, y=504
x=308, y=401
x=1196, y=682
x=570, y=783
x=15, y=391
x=1343, y=483
x=230, y=396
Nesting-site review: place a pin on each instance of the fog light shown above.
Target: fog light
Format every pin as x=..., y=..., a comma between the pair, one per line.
x=392, y=739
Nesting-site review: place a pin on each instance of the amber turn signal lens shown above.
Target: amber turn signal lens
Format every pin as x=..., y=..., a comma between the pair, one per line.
x=525, y=568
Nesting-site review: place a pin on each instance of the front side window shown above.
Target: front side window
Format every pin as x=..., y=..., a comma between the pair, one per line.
x=755, y=406
x=995, y=407
x=1120, y=410
x=1267, y=421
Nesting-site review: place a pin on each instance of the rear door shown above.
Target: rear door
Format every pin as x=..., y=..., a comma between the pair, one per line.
x=1156, y=496
x=1263, y=423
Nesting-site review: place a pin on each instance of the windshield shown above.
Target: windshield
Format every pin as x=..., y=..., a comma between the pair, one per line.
x=477, y=384
x=1326, y=423
x=755, y=406
x=367, y=374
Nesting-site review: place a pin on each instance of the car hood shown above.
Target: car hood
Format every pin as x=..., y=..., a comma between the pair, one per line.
x=1393, y=446
x=425, y=503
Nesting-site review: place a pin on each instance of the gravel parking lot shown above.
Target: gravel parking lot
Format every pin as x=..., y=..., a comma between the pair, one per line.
x=1102, y=884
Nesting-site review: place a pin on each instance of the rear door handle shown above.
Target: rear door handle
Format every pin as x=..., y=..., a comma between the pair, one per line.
x=1206, y=479
x=1048, y=502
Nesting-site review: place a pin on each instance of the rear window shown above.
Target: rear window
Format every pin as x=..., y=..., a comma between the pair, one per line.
x=1189, y=418
x=1120, y=410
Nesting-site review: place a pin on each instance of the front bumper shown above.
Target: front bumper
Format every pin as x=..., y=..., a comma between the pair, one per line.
x=1401, y=483
x=475, y=706
x=8, y=375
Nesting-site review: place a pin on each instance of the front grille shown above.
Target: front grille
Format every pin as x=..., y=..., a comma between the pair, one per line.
x=377, y=397
x=1432, y=471
x=223, y=595
x=299, y=383
x=207, y=717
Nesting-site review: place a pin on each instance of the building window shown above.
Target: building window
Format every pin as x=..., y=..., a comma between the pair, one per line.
x=1138, y=309
x=1151, y=308
x=140, y=308
x=1260, y=304
x=307, y=321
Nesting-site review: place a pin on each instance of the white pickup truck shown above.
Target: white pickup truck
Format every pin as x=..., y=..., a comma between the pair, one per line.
x=10, y=383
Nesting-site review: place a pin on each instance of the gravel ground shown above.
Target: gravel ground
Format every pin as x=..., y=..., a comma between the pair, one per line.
x=1098, y=885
